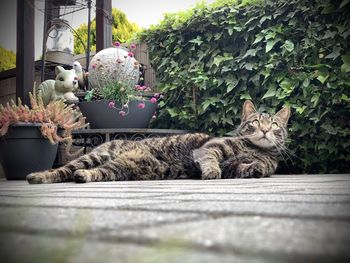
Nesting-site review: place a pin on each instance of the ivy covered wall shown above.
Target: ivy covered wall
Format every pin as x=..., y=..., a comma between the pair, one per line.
x=210, y=59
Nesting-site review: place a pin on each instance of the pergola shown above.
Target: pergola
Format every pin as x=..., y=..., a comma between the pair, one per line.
x=25, y=60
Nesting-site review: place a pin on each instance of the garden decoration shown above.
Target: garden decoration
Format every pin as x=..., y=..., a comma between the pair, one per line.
x=81, y=74
x=61, y=88
x=115, y=99
x=29, y=136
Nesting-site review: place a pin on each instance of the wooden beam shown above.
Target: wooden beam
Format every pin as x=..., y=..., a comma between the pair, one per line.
x=25, y=49
x=103, y=24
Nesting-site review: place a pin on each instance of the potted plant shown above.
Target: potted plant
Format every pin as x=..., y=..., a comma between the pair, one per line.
x=29, y=136
x=115, y=99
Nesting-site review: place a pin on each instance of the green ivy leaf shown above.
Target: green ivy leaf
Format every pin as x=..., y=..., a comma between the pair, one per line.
x=322, y=77
x=248, y=66
x=173, y=112
x=245, y=96
x=288, y=45
x=306, y=82
x=315, y=98
x=329, y=34
x=344, y=3
x=258, y=39
x=219, y=59
x=271, y=92
x=250, y=53
x=231, y=85
x=270, y=44
x=301, y=109
x=335, y=53
x=197, y=41
x=346, y=63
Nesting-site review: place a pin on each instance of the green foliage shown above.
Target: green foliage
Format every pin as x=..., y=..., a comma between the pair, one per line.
x=289, y=52
x=118, y=91
x=122, y=31
x=8, y=59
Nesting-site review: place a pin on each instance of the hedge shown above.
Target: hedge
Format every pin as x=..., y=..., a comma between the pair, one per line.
x=212, y=58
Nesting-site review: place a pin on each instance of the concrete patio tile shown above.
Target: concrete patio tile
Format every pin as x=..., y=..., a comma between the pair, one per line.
x=307, y=239
x=72, y=220
x=36, y=249
x=286, y=218
x=284, y=209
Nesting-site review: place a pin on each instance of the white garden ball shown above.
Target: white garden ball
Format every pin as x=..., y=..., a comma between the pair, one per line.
x=112, y=65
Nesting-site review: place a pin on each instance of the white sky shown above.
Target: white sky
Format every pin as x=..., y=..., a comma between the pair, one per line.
x=142, y=12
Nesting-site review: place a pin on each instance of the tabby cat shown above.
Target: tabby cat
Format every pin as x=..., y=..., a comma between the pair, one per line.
x=252, y=152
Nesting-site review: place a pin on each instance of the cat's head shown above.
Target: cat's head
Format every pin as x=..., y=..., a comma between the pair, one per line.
x=262, y=129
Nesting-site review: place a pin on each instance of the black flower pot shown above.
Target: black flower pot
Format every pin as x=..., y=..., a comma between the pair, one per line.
x=24, y=150
x=101, y=116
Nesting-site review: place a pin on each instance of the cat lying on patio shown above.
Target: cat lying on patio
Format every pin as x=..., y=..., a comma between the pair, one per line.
x=252, y=153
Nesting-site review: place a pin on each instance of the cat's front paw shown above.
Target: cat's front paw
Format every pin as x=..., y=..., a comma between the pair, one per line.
x=211, y=174
x=251, y=170
x=37, y=178
x=82, y=176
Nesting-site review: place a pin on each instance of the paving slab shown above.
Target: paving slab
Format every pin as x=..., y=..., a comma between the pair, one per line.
x=285, y=218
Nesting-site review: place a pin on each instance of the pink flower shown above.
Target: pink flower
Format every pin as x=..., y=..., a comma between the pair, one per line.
x=137, y=87
x=130, y=54
x=141, y=105
x=156, y=95
x=111, y=104
x=119, y=60
x=116, y=44
x=153, y=100
x=132, y=46
x=94, y=66
x=122, y=113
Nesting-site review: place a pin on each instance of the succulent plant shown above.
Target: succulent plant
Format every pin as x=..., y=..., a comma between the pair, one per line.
x=55, y=115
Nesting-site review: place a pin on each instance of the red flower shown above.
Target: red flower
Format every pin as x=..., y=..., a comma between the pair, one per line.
x=94, y=66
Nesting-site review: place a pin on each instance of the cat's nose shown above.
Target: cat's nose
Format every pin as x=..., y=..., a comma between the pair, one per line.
x=74, y=82
x=264, y=130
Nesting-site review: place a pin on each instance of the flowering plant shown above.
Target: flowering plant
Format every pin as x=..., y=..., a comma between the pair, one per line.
x=114, y=76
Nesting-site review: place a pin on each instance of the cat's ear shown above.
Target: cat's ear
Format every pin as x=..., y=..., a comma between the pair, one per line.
x=284, y=114
x=58, y=70
x=248, y=109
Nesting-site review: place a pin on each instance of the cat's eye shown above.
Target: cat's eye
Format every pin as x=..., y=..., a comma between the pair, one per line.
x=274, y=125
x=255, y=123
x=61, y=79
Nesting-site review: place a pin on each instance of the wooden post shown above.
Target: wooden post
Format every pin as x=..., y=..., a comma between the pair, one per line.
x=103, y=24
x=25, y=65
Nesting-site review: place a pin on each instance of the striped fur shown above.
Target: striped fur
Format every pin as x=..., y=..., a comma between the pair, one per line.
x=252, y=153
